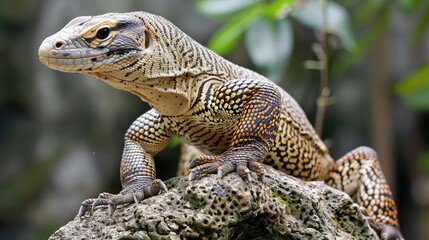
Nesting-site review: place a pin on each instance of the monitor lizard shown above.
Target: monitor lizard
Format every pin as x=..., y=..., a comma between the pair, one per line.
x=236, y=117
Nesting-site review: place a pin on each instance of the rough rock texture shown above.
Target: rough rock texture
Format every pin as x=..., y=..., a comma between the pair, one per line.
x=230, y=208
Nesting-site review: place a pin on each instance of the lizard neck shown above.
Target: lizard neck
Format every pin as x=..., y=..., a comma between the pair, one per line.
x=170, y=96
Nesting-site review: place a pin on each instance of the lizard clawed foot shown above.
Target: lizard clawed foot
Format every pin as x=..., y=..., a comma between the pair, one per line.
x=386, y=231
x=218, y=164
x=134, y=192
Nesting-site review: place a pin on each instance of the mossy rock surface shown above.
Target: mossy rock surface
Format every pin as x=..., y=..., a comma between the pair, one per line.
x=281, y=207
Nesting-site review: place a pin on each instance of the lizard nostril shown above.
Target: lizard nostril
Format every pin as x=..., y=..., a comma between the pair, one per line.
x=59, y=44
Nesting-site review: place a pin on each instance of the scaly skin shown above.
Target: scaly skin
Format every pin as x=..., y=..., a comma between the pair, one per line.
x=235, y=116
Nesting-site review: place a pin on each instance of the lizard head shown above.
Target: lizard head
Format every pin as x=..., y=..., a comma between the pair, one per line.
x=96, y=44
x=137, y=52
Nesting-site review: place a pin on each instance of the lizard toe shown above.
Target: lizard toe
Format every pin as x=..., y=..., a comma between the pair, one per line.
x=389, y=232
x=244, y=171
x=100, y=201
x=132, y=193
x=89, y=204
x=205, y=167
x=257, y=168
x=225, y=168
x=85, y=206
x=200, y=160
x=386, y=231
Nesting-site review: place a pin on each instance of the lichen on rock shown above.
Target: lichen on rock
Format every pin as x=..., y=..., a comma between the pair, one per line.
x=281, y=207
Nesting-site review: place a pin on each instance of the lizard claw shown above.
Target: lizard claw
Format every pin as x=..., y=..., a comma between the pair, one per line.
x=193, y=163
x=243, y=171
x=111, y=209
x=94, y=204
x=248, y=177
x=135, y=198
x=220, y=173
x=192, y=176
x=161, y=185
x=82, y=210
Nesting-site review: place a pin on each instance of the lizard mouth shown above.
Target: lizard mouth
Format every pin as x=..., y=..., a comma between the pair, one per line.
x=73, y=60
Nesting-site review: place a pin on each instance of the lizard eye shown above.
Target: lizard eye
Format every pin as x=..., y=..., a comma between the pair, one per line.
x=103, y=33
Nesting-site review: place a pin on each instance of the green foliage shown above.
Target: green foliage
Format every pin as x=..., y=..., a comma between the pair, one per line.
x=367, y=10
x=420, y=10
x=424, y=162
x=414, y=89
x=224, y=40
x=222, y=8
x=409, y=5
x=268, y=34
x=267, y=28
x=422, y=23
x=175, y=141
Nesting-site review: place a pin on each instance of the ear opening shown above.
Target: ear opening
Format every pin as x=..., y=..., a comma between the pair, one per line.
x=146, y=39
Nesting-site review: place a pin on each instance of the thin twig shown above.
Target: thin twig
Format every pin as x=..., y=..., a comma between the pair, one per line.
x=323, y=99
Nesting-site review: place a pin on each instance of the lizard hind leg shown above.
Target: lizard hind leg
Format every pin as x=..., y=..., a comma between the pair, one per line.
x=359, y=172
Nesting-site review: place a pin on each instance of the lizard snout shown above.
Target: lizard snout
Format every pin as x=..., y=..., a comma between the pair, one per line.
x=44, y=53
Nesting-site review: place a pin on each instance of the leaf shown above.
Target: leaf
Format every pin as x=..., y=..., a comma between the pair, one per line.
x=418, y=100
x=175, y=141
x=424, y=162
x=275, y=7
x=227, y=37
x=409, y=5
x=422, y=25
x=269, y=44
x=367, y=8
x=338, y=21
x=414, y=89
x=417, y=80
x=220, y=8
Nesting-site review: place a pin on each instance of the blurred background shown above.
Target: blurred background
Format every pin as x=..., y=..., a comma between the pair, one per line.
x=359, y=69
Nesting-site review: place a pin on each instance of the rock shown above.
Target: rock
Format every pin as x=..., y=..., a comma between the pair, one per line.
x=281, y=207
